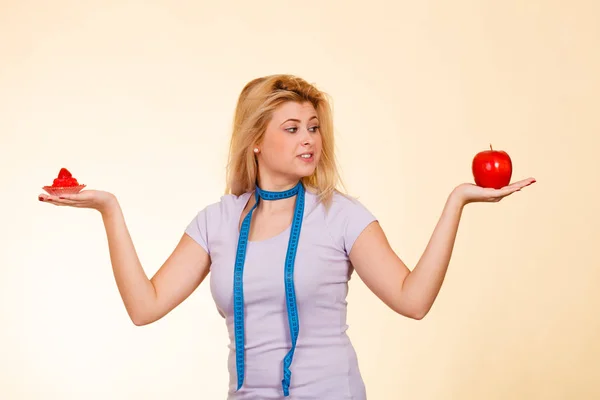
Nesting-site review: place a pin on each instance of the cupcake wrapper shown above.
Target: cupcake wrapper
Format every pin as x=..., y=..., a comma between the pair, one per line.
x=57, y=191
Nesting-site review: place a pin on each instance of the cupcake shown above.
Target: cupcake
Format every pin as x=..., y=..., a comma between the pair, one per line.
x=65, y=183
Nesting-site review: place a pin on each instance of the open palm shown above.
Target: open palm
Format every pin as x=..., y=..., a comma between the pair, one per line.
x=94, y=199
x=471, y=193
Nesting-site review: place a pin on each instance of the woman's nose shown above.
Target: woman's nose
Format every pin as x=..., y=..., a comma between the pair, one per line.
x=307, y=139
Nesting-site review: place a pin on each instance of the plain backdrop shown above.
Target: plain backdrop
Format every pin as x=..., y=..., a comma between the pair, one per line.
x=137, y=98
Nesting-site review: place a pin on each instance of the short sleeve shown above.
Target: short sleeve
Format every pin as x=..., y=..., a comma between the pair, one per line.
x=197, y=229
x=357, y=218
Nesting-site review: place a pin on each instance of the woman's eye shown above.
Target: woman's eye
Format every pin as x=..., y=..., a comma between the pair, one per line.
x=294, y=129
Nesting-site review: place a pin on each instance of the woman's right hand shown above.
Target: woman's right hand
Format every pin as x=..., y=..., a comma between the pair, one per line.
x=95, y=199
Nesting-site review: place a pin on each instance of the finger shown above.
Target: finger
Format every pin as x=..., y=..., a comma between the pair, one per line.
x=47, y=199
x=523, y=185
x=58, y=201
x=514, y=187
x=74, y=196
x=524, y=182
x=52, y=201
x=505, y=191
x=63, y=198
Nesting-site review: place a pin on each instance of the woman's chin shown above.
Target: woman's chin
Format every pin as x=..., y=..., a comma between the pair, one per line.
x=305, y=172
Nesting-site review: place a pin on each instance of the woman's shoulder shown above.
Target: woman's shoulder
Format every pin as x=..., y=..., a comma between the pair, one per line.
x=344, y=199
x=213, y=217
x=341, y=209
x=345, y=217
x=342, y=205
x=227, y=205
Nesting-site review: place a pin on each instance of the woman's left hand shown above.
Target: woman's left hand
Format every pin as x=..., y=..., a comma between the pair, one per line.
x=470, y=193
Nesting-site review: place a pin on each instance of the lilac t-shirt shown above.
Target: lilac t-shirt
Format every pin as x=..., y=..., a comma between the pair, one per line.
x=325, y=364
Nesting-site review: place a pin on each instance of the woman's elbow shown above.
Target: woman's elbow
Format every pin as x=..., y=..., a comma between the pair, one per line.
x=140, y=322
x=141, y=319
x=416, y=313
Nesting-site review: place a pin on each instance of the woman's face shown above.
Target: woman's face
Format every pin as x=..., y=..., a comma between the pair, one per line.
x=291, y=147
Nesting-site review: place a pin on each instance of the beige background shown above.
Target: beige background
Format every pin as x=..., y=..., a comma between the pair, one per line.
x=136, y=97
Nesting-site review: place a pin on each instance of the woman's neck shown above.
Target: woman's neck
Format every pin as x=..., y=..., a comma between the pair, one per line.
x=276, y=185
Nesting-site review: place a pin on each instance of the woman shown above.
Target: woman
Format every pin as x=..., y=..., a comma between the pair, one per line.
x=281, y=246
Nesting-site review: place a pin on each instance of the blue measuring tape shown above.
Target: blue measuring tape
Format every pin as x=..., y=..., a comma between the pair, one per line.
x=290, y=294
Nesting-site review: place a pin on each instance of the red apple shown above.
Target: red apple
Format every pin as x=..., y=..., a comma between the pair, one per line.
x=492, y=168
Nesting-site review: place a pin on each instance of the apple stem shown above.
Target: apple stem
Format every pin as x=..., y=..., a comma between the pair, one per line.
x=491, y=147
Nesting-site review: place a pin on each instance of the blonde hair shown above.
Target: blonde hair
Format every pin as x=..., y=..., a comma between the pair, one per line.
x=256, y=104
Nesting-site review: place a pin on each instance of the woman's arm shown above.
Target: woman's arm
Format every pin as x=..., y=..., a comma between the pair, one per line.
x=146, y=300
x=412, y=293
